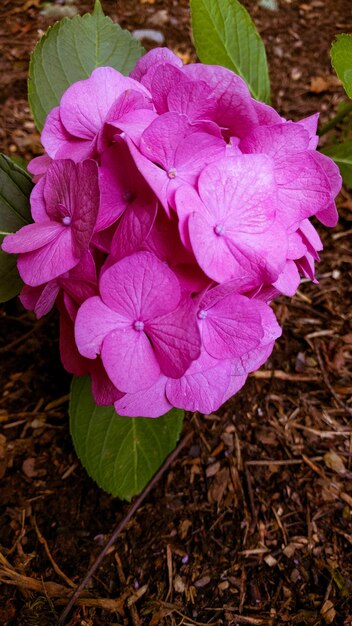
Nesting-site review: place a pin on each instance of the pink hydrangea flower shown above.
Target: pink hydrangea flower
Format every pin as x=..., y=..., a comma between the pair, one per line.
x=65, y=206
x=169, y=210
x=142, y=323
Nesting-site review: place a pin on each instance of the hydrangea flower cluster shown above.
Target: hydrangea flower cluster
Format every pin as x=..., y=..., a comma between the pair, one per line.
x=170, y=209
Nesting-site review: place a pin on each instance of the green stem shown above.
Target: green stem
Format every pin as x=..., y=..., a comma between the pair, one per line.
x=336, y=120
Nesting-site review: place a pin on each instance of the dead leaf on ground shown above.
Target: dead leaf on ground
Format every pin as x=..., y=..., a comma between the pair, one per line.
x=319, y=84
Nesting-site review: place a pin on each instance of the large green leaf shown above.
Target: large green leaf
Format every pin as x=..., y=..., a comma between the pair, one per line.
x=70, y=50
x=341, y=153
x=121, y=454
x=224, y=34
x=15, y=189
x=341, y=59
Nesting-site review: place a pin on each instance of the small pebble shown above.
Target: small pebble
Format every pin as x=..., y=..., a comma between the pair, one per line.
x=146, y=33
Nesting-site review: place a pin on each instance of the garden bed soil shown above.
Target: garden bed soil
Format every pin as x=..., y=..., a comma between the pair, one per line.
x=252, y=523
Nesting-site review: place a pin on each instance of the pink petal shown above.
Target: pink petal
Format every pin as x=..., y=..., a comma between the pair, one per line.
x=235, y=110
x=140, y=287
x=37, y=200
x=151, y=402
x=133, y=228
x=303, y=188
x=72, y=361
x=94, y=322
x=148, y=63
x=175, y=338
x=33, y=236
x=277, y=140
x=129, y=360
x=311, y=124
x=202, y=387
x=86, y=104
x=104, y=392
x=230, y=327
x=289, y=279
x=236, y=383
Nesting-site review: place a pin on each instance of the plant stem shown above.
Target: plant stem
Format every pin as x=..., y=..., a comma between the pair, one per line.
x=135, y=506
x=336, y=120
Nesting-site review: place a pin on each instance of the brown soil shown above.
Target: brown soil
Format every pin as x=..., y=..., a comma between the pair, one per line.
x=252, y=524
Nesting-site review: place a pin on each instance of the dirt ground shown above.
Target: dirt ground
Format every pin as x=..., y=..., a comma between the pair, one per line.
x=252, y=523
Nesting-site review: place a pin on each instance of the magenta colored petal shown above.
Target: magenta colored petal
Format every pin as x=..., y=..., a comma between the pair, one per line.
x=160, y=141
x=232, y=326
x=303, y=188
x=194, y=153
x=155, y=177
x=121, y=184
x=306, y=267
x=47, y=298
x=289, y=279
x=295, y=245
x=37, y=201
x=165, y=77
x=310, y=238
x=103, y=390
x=94, y=322
x=276, y=141
x=236, y=383
x=329, y=216
x=240, y=192
x=140, y=287
x=251, y=361
x=175, y=338
x=134, y=123
x=212, y=252
x=29, y=296
x=187, y=201
x=331, y=170
x=60, y=144
x=129, y=101
x=54, y=135
x=151, y=402
x=72, y=361
x=60, y=189
x=33, y=236
x=259, y=254
x=235, y=110
x=202, y=387
x=86, y=205
x=193, y=99
x=38, y=166
x=133, y=228
x=311, y=124
x=40, y=299
x=86, y=104
x=148, y=63
x=80, y=283
x=129, y=360
x=266, y=114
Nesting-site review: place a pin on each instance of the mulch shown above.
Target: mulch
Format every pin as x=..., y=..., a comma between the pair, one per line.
x=252, y=523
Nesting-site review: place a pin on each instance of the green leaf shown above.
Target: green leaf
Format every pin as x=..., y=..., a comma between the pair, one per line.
x=341, y=59
x=15, y=189
x=341, y=153
x=70, y=50
x=225, y=34
x=121, y=454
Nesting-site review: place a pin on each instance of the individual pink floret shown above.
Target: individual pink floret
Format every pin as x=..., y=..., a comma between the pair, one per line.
x=232, y=225
x=72, y=129
x=174, y=152
x=64, y=206
x=302, y=185
x=139, y=324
